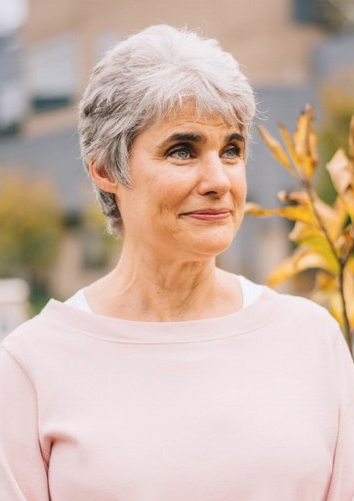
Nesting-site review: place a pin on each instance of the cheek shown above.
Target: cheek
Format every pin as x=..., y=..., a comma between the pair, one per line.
x=162, y=194
x=171, y=189
x=239, y=187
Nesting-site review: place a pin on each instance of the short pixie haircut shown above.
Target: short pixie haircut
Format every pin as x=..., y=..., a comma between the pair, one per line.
x=146, y=78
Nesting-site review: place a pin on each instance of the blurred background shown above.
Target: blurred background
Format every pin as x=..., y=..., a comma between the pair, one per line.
x=52, y=234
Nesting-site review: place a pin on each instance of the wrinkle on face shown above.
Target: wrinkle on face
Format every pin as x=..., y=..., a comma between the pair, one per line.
x=163, y=189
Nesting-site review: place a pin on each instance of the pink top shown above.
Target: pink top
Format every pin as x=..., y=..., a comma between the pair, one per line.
x=253, y=406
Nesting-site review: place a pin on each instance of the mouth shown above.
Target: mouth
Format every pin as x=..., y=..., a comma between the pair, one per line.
x=209, y=214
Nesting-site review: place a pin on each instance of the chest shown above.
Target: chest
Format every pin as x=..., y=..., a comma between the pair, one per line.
x=203, y=427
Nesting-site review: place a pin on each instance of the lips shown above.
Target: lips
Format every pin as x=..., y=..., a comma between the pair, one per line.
x=221, y=214
x=207, y=211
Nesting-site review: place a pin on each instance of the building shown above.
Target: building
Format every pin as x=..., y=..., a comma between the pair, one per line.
x=281, y=47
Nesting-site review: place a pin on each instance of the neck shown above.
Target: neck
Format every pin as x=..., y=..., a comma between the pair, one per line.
x=145, y=287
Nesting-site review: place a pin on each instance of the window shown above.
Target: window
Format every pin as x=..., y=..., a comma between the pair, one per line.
x=329, y=14
x=12, y=106
x=12, y=95
x=53, y=67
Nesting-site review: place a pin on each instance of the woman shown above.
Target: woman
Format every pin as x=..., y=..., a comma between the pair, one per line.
x=168, y=378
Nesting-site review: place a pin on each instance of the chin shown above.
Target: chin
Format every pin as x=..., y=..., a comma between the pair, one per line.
x=210, y=245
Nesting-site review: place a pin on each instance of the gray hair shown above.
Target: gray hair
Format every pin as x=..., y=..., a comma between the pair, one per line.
x=145, y=78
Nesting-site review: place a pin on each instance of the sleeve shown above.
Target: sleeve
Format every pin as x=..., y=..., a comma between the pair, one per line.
x=23, y=472
x=341, y=487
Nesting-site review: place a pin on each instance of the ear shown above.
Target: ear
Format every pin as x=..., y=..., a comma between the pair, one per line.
x=101, y=178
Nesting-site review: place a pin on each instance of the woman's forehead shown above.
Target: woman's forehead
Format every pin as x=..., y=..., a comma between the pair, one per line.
x=188, y=113
x=189, y=119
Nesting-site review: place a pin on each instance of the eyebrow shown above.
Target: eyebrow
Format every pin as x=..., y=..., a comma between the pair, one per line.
x=197, y=138
x=233, y=136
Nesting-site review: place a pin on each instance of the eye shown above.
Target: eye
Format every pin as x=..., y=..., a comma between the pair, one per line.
x=233, y=152
x=181, y=153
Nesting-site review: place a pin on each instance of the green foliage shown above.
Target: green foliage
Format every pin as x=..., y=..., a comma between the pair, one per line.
x=31, y=227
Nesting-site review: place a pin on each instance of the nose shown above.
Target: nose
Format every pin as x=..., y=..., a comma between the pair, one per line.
x=213, y=176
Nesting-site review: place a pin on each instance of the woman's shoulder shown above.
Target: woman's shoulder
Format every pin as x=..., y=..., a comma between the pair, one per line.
x=34, y=338
x=289, y=309
x=306, y=317
x=23, y=332
x=303, y=304
x=290, y=305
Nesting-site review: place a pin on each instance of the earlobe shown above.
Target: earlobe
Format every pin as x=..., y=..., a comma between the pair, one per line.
x=102, y=178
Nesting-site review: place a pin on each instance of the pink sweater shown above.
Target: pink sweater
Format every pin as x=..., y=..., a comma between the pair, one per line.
x=253, y=406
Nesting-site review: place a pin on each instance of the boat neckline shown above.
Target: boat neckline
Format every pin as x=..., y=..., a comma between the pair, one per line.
x=252, y=317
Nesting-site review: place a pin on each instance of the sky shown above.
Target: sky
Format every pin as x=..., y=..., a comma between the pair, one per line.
x=12, y=13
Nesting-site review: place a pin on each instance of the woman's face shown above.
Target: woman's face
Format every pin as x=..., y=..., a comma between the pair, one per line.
x=189, y=186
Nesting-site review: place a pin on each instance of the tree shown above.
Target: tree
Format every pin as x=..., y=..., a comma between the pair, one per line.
x=31, y=227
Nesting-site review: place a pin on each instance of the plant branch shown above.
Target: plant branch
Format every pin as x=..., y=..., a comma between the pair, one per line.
x=347, y=333
x=341, y=263
x=309, y=191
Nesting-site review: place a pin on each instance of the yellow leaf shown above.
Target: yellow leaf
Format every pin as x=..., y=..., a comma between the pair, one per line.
x=351, y=139
x=253, y=209
x=350, y=264
x=299, y=197
x=325, y=286
x=289, y=143
x=319, y=244
x=301, y=133
x=336, y=304
x=314, y=239
x=349, y=295
x=297, y=213
x=302, y=148
x=326, y=282
x=340, y=216
x=276, y=149
x=304, y=136
x=342, y=175
x=303, y=231
x=335, y=307
x=313, y=146
x=332, y=218
x=302, y=259
x=293, y=213
x=345, y=242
